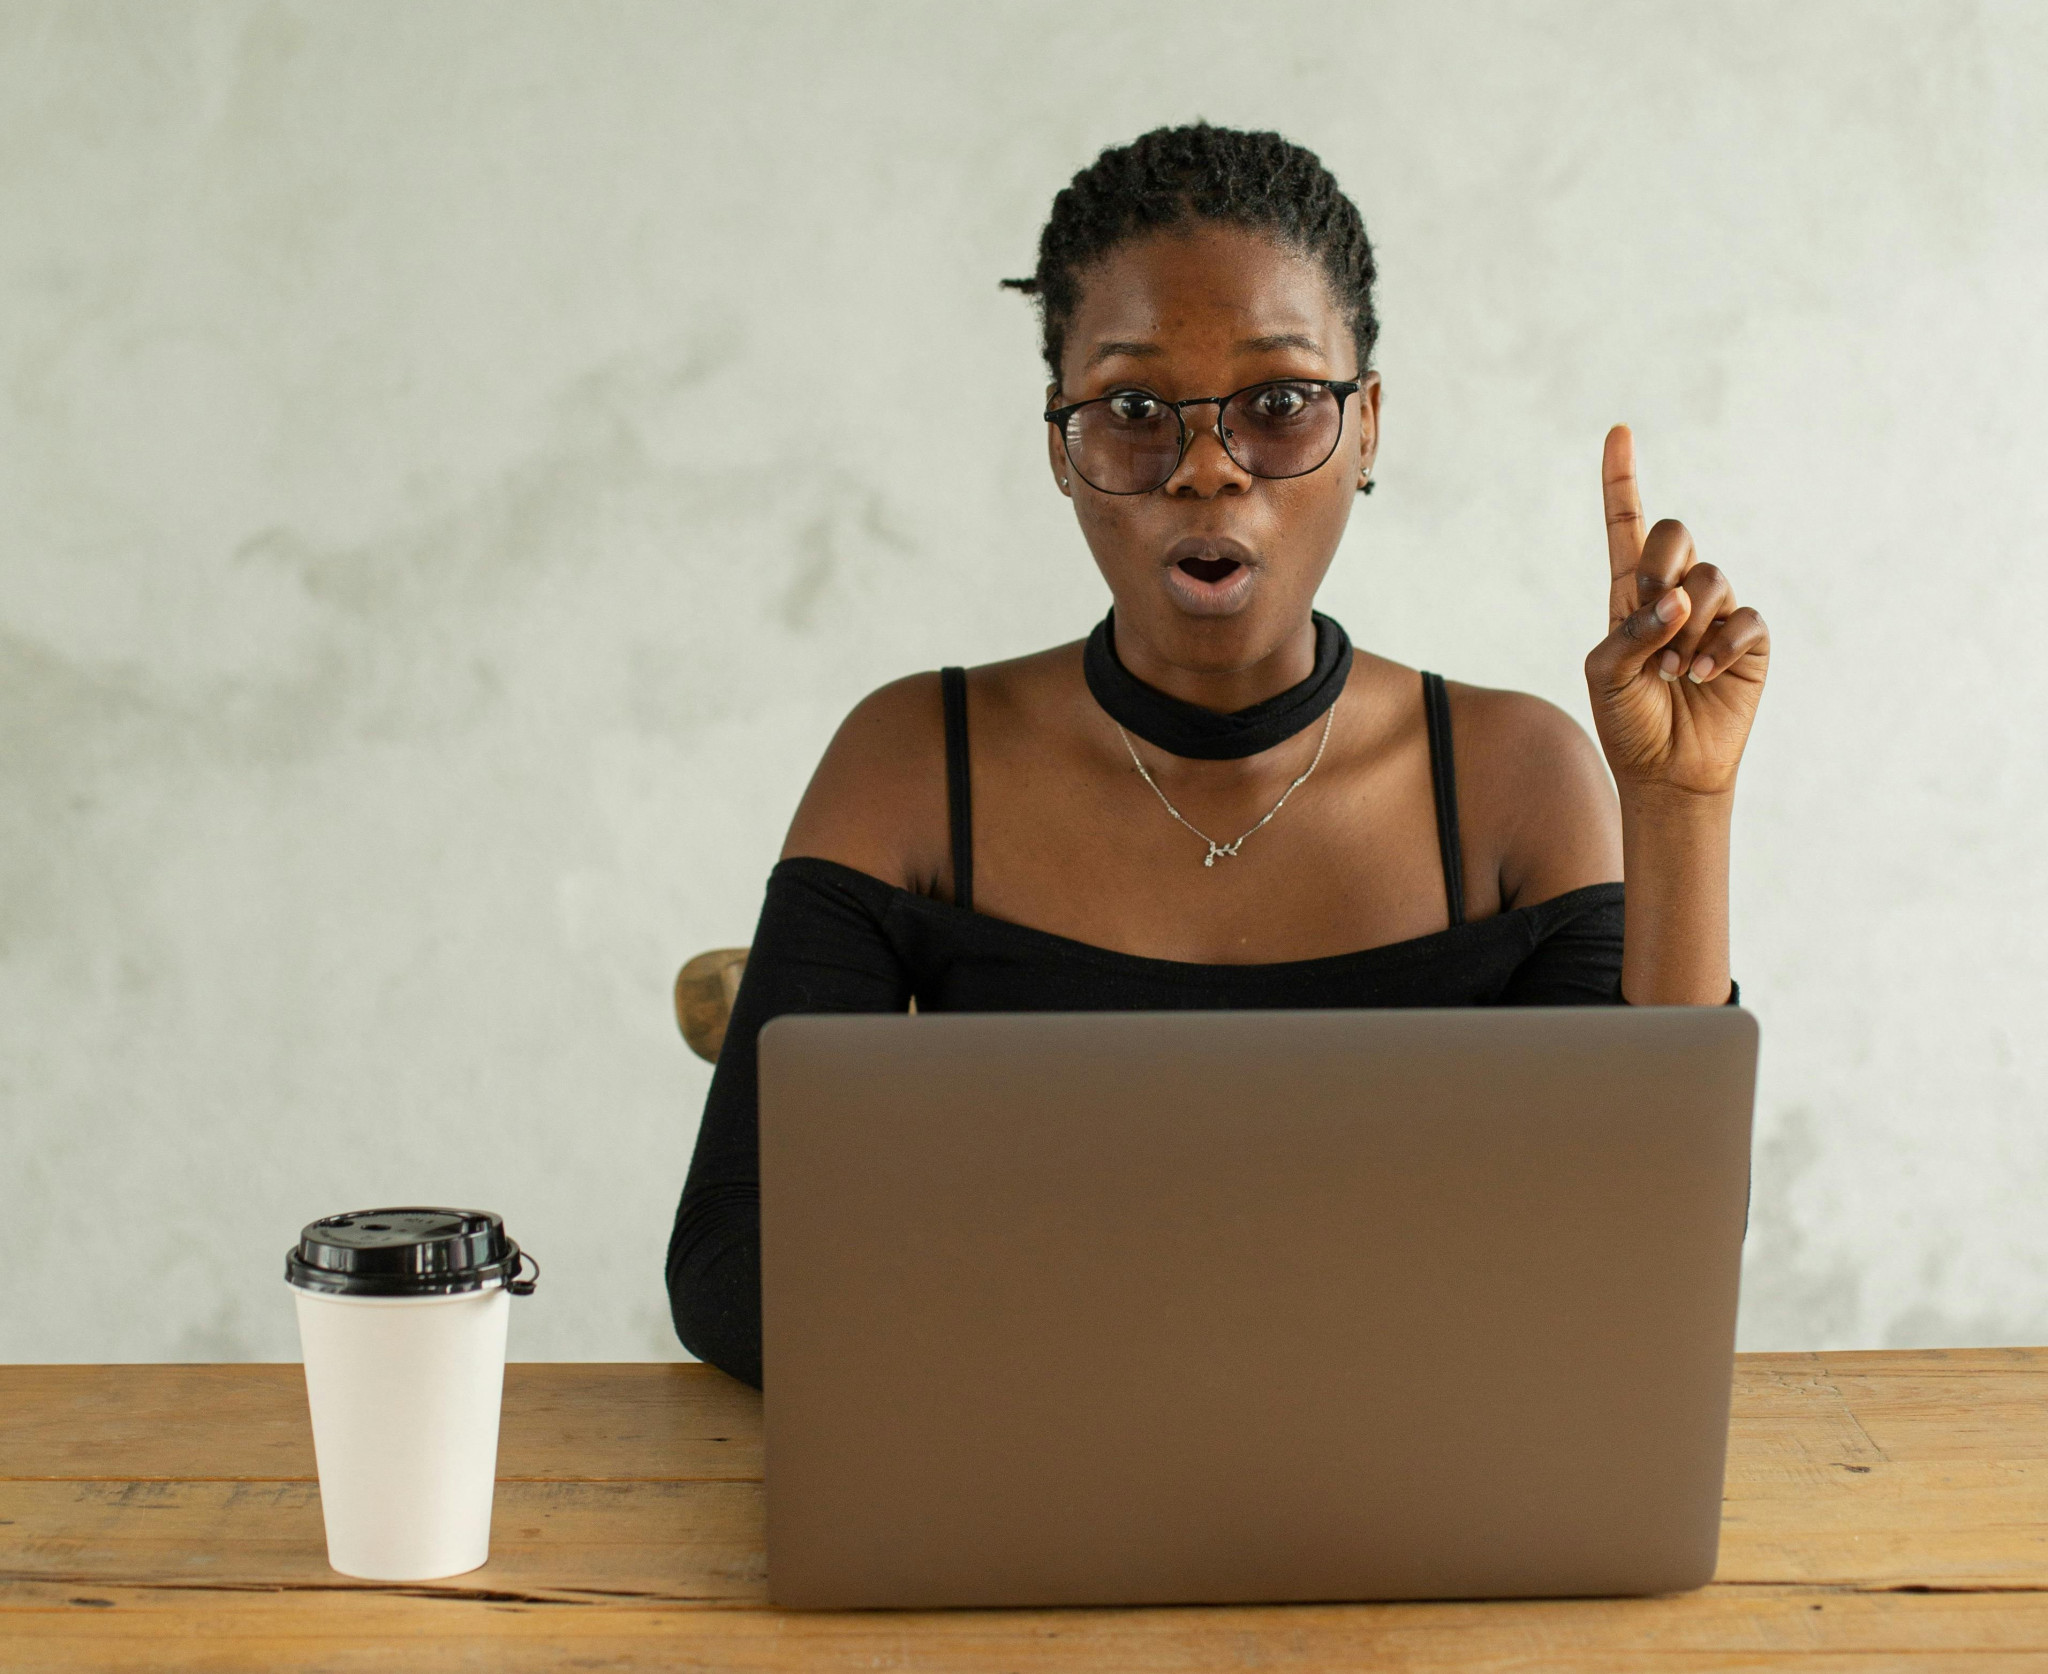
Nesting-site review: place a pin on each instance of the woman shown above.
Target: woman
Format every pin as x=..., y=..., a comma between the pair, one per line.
x=1214, y=802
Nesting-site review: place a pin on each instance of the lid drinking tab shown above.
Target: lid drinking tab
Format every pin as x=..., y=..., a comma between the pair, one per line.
x=406, y=1252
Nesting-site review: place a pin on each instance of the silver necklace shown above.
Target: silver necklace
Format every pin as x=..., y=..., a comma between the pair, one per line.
x=1230, y=848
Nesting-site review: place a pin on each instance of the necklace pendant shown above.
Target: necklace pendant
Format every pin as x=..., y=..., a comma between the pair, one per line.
x=1230, y=848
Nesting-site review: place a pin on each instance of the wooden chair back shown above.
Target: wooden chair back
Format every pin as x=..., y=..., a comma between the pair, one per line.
x=705, y=990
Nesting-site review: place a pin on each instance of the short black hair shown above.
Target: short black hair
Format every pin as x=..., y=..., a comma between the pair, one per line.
x=1175, y=177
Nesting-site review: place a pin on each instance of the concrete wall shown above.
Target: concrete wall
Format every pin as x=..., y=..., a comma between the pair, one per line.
x=459, y=461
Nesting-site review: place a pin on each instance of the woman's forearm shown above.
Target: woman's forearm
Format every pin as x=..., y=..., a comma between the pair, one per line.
x=1674, y=847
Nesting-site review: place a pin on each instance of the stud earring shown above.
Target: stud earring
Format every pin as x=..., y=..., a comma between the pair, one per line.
x=1063, y=482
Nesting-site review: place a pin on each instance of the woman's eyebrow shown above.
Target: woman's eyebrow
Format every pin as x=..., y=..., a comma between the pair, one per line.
x=1282, y=340
x=1112, y=349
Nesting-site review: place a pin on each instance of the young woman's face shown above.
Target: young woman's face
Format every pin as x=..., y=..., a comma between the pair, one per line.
x=1215, y=569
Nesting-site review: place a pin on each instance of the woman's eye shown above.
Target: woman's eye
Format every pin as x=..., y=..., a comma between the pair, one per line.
x=1133, y=408
x=1279, y=401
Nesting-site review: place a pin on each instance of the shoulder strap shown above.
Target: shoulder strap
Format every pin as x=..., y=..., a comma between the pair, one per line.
x=959, y=805
x=1443, y=777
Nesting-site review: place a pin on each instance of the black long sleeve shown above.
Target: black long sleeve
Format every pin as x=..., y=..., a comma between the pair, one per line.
x=818, y=947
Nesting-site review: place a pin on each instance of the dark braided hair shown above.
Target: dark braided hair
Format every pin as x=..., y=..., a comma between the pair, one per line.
x=1175, y=177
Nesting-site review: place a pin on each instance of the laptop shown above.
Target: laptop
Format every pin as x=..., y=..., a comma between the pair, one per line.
x=1214, y=1307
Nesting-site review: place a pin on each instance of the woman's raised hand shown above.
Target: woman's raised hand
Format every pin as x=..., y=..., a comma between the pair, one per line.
x=1676, y=681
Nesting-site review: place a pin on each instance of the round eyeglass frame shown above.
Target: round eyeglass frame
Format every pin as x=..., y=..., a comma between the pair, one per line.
x=1342, y=388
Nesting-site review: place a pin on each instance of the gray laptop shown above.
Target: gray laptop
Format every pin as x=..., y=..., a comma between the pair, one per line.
x=1204, y=1307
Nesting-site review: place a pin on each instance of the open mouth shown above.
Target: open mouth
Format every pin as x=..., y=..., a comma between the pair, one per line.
x=1210, y=570
x=1210, y=575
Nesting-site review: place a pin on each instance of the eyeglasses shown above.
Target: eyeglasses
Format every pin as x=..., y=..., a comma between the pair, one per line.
x=1129, y=442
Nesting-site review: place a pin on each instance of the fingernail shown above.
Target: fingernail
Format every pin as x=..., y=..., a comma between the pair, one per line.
x=1667, y=665
x=1701, y=668
x=1669, y=606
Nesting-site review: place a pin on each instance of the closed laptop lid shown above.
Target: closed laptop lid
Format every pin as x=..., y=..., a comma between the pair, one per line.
x=1130, y=1308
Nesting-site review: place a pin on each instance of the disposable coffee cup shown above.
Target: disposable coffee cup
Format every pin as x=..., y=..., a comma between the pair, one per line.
x=402, y=1317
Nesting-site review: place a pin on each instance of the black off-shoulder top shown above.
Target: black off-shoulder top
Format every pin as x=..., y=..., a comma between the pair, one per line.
x=831, y=938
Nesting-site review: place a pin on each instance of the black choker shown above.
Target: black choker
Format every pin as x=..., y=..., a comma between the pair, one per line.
x=1187, y=729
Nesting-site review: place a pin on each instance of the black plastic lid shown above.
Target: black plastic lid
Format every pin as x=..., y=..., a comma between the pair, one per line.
x=408, y=1252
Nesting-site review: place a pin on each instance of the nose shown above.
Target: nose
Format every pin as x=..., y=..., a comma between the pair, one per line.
x=1206, y=468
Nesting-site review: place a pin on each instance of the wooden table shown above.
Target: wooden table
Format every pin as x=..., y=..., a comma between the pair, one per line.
x=1883, y=1510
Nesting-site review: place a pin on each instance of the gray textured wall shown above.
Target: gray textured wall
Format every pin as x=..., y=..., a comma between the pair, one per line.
x=459, y=461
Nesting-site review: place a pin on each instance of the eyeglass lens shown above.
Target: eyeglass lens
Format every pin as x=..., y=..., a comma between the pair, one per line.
x=1130, y=442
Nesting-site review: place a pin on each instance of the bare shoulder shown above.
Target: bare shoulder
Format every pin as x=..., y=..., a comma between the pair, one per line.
x=877, y=801
x=1507, y=729
x=1533, y=793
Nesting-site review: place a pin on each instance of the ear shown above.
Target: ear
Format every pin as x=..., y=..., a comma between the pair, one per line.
x=1368, y=424
x=1055, y=448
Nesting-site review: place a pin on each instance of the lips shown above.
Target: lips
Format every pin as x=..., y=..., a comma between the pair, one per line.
x=1210, y=575
x=1208, y=558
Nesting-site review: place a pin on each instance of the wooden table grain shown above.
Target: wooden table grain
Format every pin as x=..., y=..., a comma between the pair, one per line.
x=1883, y=1511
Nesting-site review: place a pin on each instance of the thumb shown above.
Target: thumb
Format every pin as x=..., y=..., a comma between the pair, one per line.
x=1619, y=658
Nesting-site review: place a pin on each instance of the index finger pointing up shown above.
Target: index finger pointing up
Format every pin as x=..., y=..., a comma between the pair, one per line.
x=1625, y=529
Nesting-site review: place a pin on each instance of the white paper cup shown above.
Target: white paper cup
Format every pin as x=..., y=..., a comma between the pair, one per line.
x=405, y=1392
x=405, y=1389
